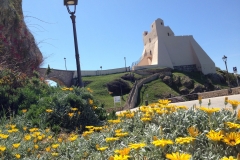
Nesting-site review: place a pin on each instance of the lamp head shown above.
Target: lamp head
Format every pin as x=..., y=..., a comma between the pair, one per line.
x=70, y=2
x=224, y=58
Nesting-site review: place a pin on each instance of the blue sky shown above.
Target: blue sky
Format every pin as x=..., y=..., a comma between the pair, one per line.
x=109, y=30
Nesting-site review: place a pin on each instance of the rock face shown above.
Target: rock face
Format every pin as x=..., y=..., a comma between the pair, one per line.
x=187, y=82
x=118, y=87
x=18, y=50
x=167, y=80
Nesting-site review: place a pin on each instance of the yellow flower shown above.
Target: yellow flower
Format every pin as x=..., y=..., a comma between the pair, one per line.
x=232, y=138
x=193, y=132
x=47, y=129
x=89, y=127
x=89, y=90
x=16, y=145
x=55, y=146
x=70, y=115
x=209, y=111
x=102, y=148
x=2, y=148
x=214, y=136
x=72, y=137
x=118, y=130
x=162, y=142
x=234, y=103
x=17, y=156
x=111, y=139
x=178, y=156
x=121, y=134
x=49, y=137
x=164, y=101
x=74, y=109
x=27, y=137
x=54, y=154
x=90, y=101
x=97, y=128
x=24, y=128
x=146, y=119
x=230, y=158
x=129, y=115
x=33, y=129
x=154, y=138
x=24, y=110
x=137, y=145
x=49, y=110
x=114, y=121
x=48, y=149
x=36, y=146
x=40, y=138
x=123, y=152
x=232, y=125
x=70, y=89
x=121, y=157
x=238, y=115
x=13, y=126
x=3, y=136
x=60, y=140
x=182, y=140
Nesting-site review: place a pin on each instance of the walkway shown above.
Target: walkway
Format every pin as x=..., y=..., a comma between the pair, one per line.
x=215, y=102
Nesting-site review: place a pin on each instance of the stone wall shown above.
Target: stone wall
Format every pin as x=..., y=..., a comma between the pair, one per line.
x=218, y=93
x=186, y=68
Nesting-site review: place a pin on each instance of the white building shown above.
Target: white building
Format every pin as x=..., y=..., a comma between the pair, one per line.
x=163, y=49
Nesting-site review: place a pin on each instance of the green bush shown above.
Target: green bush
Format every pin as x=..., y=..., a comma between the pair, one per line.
x=68, y=108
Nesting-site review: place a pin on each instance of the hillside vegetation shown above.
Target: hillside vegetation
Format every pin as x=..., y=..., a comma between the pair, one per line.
x=166, y=86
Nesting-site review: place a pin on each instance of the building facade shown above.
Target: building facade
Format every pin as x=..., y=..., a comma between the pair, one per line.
x=163, y=49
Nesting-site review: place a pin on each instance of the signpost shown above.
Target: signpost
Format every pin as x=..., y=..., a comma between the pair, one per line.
x=117, y=99
x=235, y=72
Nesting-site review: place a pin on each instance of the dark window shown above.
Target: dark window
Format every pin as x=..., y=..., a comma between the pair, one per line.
x=149, y=39
x=150, y=52
x=161, y=23
x=168, y=34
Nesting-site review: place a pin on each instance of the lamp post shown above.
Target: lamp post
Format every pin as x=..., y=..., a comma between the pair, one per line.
x=101, y=70
x=125, y=63
x=224, y=58
x=73, y=17
x=65, y=63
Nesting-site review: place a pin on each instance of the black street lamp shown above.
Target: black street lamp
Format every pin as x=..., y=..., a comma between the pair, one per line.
x=125, y=63
x=101, y=70
x=73, y=17
x=65, y=63
x=225, y=61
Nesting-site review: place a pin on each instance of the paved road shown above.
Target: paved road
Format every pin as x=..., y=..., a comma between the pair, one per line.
x=215, y=102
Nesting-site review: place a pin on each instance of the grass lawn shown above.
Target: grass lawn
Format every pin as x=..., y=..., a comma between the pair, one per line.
x=99, y=86
x=153, y=91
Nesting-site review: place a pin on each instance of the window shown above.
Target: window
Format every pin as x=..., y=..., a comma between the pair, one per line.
x=168, y=34
x=161, y=23
x=150, y=40
x=150, y=52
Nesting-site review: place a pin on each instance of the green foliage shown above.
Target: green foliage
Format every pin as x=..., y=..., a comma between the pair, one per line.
x=34, y=95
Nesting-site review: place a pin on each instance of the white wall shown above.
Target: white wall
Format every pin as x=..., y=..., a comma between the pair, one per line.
x=163, y=48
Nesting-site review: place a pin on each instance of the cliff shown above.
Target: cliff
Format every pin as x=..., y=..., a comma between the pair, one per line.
x=18, y=50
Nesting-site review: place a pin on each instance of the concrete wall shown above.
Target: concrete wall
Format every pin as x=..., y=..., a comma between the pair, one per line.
x=102, y=72
x=163, y=48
